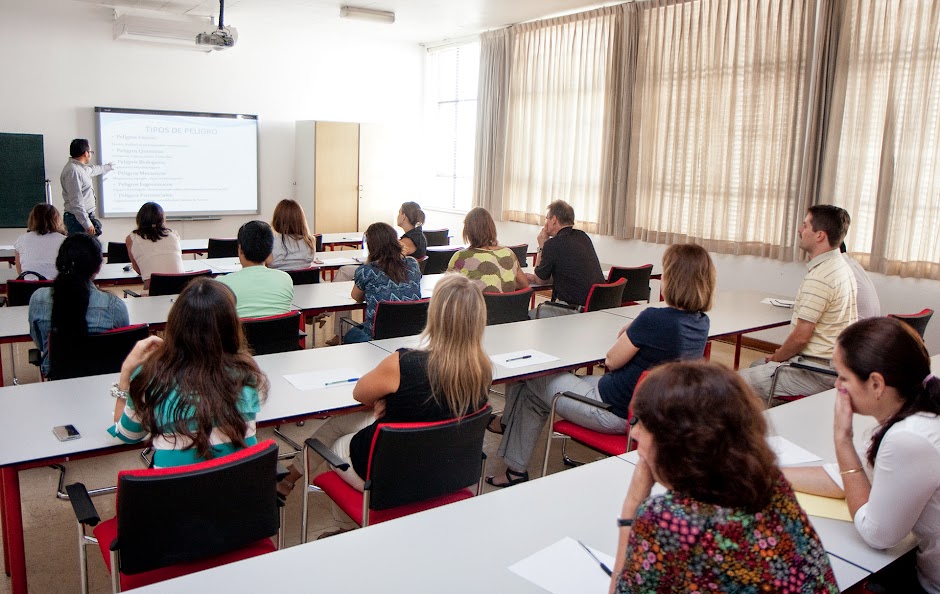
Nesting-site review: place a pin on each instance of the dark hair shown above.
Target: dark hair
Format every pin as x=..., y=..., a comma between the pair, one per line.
x=256, y=240
x=893, y=349
x=413, y=212
x=709, y=433
x=289, y=221
x=385, y=251
x=151, y=222
x=479, y=230
x=204, y=360
x=79, y=147
x=78, y=260
x=834, y=221
x=562, y=211
x=43, y=219
x=689, y=277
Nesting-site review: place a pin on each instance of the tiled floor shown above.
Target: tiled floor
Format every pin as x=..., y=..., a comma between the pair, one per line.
x=52, y=557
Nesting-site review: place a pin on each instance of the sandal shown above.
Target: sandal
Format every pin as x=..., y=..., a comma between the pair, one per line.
x=286, y=485
x=334, y=341
x=496, y=425
x=512, y=478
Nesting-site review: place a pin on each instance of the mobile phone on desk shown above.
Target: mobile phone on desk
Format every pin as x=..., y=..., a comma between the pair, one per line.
x=66, y=432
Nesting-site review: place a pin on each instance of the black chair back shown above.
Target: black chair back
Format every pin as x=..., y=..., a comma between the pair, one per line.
x=117, y=253
x=273, y=334
x=522, y=253
x=412, y=462
x=917, y=321
x=399, y=318
x=436, y=236
x=605, y=296
x=638, y=282
x=503, y=308
x=94, y=354
x=223, y=248
x=438, y=260
x=304, y=276
x=173, y=284
x=319, y=238
x=422, y=264
x=166, y=517
x=20, y=290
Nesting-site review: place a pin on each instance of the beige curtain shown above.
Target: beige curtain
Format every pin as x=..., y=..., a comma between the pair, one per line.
x=558, y=99
x=492, y=114
x=723, y=148
x=883, y=144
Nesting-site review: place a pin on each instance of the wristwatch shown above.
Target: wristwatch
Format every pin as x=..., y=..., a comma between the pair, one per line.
x=117, y=392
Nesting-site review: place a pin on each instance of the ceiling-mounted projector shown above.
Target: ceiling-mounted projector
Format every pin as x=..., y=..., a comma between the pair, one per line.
x=218, y=39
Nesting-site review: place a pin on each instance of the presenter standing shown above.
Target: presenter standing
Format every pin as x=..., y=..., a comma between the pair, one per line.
x=78, y=191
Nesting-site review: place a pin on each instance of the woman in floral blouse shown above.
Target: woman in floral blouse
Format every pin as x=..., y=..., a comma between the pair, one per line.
x=728, y=521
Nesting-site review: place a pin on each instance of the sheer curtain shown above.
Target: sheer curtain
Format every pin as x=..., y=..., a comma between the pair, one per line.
x=557, y=105
x=883, y=149
x=489, y=163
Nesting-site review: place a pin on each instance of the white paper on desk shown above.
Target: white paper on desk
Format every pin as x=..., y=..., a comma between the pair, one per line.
x=565, y=568
x=317, y=380
x=788, y=453
x=195, y=266
x=339, y=261
x=522, y=358
x=788, y=303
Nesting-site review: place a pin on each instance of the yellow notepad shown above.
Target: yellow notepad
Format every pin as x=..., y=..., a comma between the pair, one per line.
x=824, y=507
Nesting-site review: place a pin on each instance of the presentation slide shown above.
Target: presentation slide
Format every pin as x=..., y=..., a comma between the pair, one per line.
x=191, y=164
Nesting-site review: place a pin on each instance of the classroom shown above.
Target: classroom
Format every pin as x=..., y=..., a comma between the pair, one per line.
x=300, y=62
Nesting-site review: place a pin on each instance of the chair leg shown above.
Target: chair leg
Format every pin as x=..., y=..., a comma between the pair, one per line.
x=551, y=433
x=115, y=572
x=366, y=500
x=293, y=444
x=60, y=490
x=82, y=557
x=16, y=381
x=571, y=462
x=282, y=512
x=304, y=503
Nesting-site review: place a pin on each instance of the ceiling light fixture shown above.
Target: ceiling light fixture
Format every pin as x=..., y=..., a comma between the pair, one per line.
x=367, y=14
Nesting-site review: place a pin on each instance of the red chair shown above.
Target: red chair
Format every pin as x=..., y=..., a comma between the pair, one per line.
x=638, y=282
x=918, y=321
x=162, y=529
x=412, y=467
x=601, y=296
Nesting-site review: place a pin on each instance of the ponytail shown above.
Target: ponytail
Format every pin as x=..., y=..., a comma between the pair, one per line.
x=79, y=259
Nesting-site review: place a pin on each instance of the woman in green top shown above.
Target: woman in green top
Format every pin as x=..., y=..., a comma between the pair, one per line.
x=490, y=266
x=196, y=391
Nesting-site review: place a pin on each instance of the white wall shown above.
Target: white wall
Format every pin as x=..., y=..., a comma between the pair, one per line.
x=60, y=62
x=898, y=295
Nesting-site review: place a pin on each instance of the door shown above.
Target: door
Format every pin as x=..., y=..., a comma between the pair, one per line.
x=336, y=194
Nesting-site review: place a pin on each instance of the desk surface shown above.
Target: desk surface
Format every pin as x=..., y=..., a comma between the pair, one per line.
x=29, y=412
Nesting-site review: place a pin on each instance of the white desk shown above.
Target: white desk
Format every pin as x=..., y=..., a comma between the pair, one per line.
x=29, y=412
x=332, y=241
x=459, y=548
x=115, y=274
x=577, y=340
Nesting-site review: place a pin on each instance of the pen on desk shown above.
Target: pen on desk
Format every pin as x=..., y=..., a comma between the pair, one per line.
x=345, y=381
x=599, y=562
x=519, y=358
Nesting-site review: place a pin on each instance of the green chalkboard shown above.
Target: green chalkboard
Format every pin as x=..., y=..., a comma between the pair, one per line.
x=22, y=177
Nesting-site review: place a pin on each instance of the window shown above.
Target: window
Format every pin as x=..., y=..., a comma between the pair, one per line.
x=452, y=116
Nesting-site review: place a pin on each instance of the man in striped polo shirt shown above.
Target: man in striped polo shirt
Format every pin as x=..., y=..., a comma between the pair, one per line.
x=825, y=305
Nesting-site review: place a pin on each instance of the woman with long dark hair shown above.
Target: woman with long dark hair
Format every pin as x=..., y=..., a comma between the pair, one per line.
x=195, y=392
x=728, y=518
x=884, y=372
x=73, y=306
x=152, y=246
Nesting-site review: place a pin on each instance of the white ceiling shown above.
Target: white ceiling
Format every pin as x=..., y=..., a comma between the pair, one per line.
x=418, y=21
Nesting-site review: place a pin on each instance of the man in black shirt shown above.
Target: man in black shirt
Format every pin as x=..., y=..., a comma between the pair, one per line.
x=566, y=259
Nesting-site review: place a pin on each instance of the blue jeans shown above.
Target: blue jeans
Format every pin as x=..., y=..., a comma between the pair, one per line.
x=356, y=334
x=73, y=226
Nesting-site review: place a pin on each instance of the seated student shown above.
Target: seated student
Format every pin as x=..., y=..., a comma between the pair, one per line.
x=36, y=250
x=657, y=335
x=869, y=305
x=447, y=379
x=413, y=241
x=294, y=247
x=195, y=392
x=729, y=518
x=152, y=246
x=73, y=306
x=492, y=267
x=386, y=276
x=884, y=372
x=259, y=290
x=566, y=260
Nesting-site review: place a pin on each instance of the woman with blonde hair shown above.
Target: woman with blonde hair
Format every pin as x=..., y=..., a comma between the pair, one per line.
x=36, y=250
x=657, y=335
x=729, y=518
x=492, y=267
x=294, y=247
x=446, y=379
